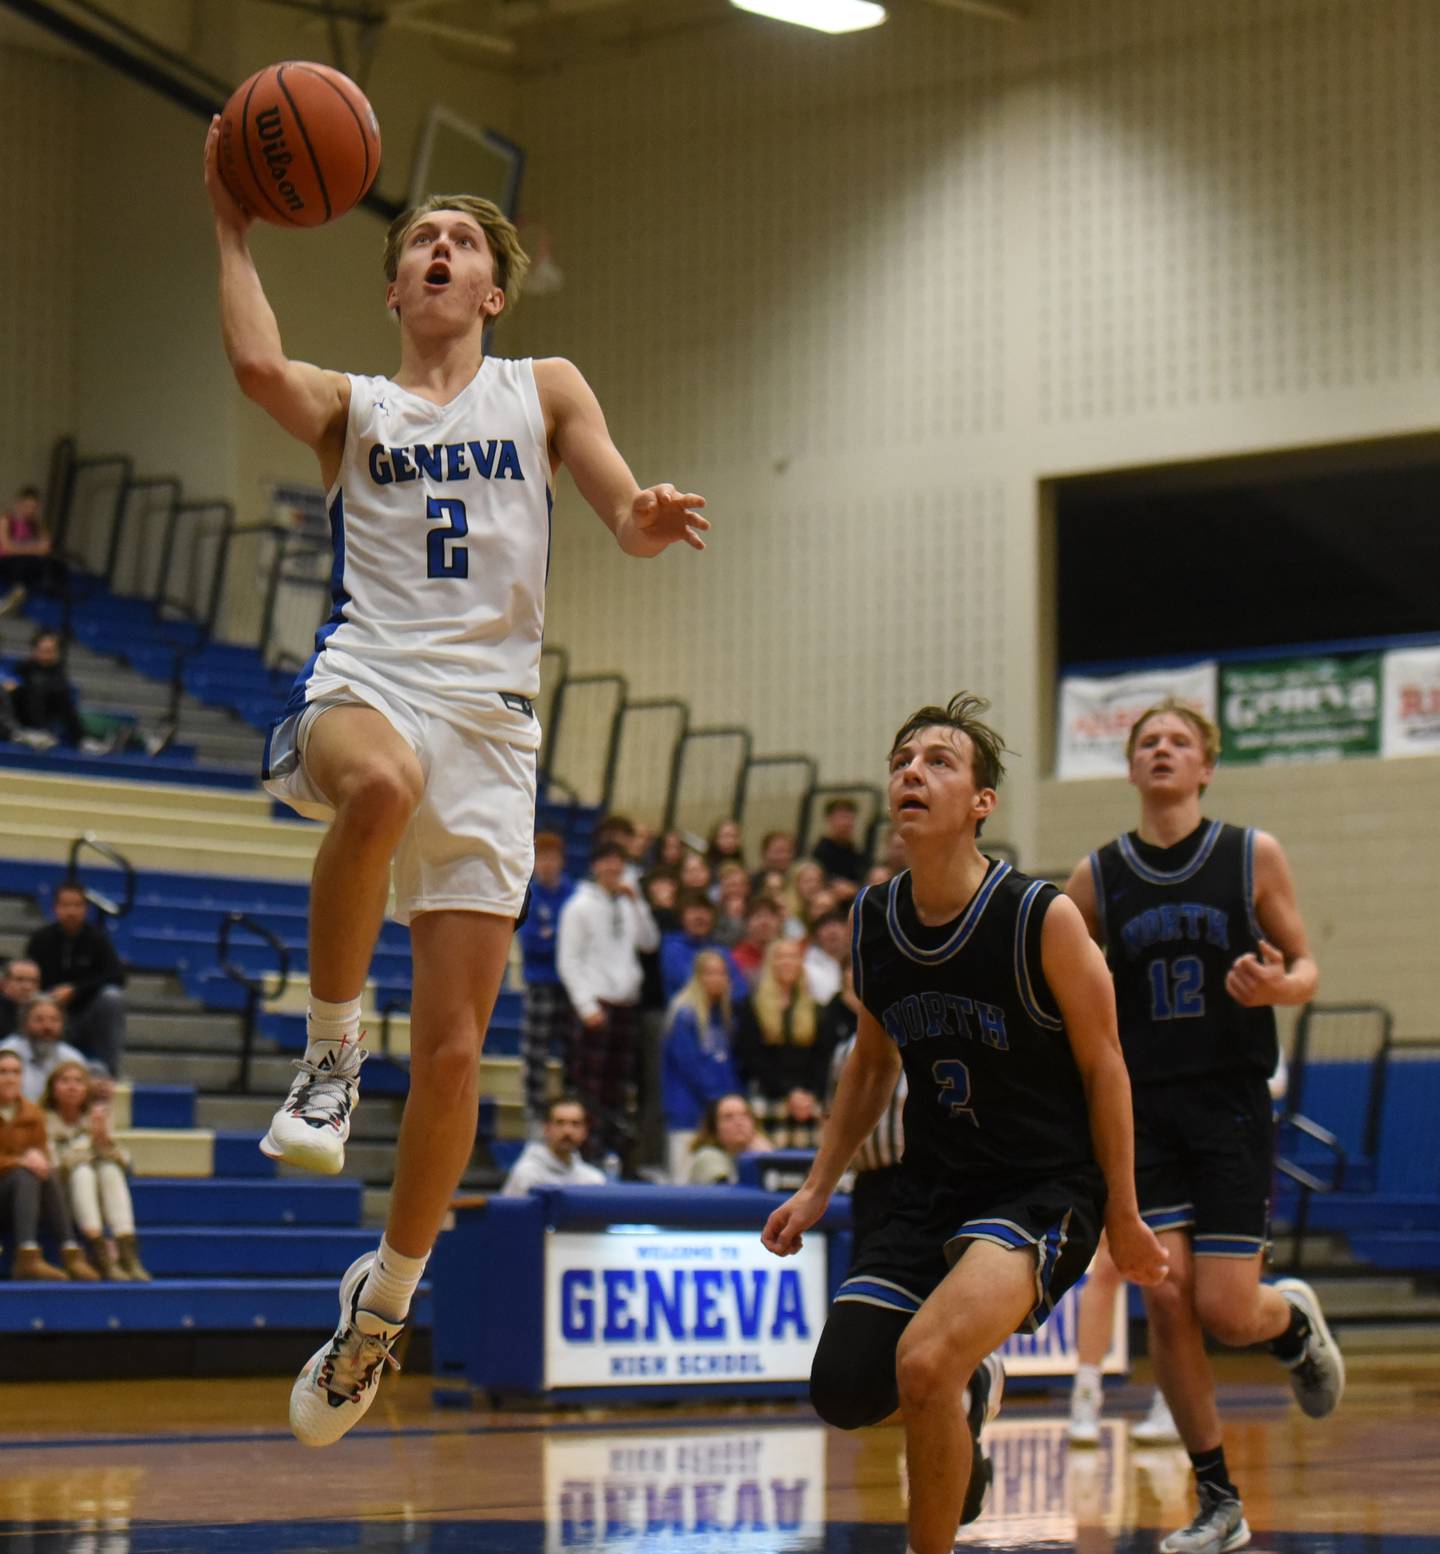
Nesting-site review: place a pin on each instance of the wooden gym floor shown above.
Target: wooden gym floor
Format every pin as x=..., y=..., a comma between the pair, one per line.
x=143, y=1467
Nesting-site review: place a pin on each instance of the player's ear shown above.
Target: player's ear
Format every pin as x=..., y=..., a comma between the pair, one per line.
x=392, y=298
x=984, y=804
x=494, y=304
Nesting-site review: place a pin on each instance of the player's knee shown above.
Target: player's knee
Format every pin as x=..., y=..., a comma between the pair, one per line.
x=1171, y=1302
x=845, y=1397
x=924, y=1369
x=1225, y=1322
x=380, y=798
x=448, y=1066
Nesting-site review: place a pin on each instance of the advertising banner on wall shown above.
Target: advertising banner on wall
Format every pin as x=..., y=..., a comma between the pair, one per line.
x=1411, y=719
x=642, y=1307
x=1096, y=714
x=1301, y=709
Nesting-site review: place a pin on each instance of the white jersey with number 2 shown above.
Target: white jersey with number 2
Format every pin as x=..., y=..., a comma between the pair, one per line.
x=440, y=522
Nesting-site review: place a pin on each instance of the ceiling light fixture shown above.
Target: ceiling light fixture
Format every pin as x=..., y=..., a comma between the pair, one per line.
x=823, y=15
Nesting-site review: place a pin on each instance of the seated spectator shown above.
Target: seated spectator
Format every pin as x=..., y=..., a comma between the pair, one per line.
x=694, y=872
x=732, y=897
x=807, y=881
x=42, y=700
x=668, y=851
x=781, y=1055
x=548, y=1020
x=30, y=1195
x=26, y=562
x=698, y=1058
x=38, y=1046
x=777, y=853
x=728, y=1130
x=725, y=845
x=827, y=954
x=764, y=919
x=662, y=890
x=554, y=1159
x=21, y=984
x=80, y=970
x=697, y=932
x=836, y=851
x=93, y=1169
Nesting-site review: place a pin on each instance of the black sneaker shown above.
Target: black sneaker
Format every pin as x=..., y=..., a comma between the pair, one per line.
x=1317, y=1377
x=987, y=1388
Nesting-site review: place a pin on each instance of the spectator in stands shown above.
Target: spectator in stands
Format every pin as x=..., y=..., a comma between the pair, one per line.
x=879, y=874
x=725, y=846
x=836, y=851
x=80, y=970
x=21, y=984
x=698, y=1064
x=30, y=1195
x=694, y=872
x=827, y=954
x=807, y=880
x=781, y=1055
x=549, y=1021
x=42, y=700
x=669, y=850
x=26, y=561
x=603, y=928
x=732, y=898
x=696, y=933
x=621, y=829
x=728, y=1130
x=554, y=1159
x=764, y=918
x=39, y=1047
x=662, y=890
x=777, y=853
x=93, y=1169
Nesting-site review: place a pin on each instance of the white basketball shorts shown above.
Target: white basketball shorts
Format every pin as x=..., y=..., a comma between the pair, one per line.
x=470, y=845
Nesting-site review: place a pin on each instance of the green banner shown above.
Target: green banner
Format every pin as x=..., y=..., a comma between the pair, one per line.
x=1301, y=709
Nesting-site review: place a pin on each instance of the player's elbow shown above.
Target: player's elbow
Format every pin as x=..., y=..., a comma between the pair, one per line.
x=260, y=376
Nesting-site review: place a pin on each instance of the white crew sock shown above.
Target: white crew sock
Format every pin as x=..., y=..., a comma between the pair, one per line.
x=332, y=1022
x=392, y=1282
x=1087, y=1378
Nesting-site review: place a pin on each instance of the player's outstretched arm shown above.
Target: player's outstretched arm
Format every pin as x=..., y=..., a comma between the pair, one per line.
x=867, y=1083
x=1080, y=981
x=644, y=522
x=1283, y=972
x=309, y=402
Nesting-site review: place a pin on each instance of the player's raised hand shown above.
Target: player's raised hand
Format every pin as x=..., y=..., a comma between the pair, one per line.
x=228, y=210
x=1136, y=1250
x=666, y=515
x=784, y=1231
x=1256, y=981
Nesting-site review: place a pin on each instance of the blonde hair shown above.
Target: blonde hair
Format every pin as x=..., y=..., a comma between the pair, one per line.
x=511, y=261
x=769, y=1003
x=692, y=995
x=1208, y=733
x=48, y=1100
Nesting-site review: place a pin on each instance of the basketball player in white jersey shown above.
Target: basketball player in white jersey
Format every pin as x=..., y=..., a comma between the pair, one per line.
x=411, y=727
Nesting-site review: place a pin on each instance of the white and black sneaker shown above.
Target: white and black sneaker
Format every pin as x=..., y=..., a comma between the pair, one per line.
x=987, y=1389
x=310, y=1129
x=340, y=1381
x=1218, y=1528
x=1317, y=1374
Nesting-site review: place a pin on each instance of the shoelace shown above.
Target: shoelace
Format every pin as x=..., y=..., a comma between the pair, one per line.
x=326, y=1091
x=348, y=1375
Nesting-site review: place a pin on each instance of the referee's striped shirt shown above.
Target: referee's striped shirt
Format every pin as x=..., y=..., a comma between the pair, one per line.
x=887, y=1142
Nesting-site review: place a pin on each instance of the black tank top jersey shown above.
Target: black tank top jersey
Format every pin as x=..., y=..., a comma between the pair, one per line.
x=994, y=1089
x=1174, y=920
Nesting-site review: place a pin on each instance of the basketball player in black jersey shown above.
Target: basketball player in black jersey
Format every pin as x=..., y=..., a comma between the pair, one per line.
x=985, y=987
x=1204, y=938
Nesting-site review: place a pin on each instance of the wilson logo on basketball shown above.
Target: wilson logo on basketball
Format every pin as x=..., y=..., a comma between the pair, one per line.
x=277, y=156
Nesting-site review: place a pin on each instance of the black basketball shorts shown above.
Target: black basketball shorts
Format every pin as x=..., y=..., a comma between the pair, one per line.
x=1057, y=1219
x=1204, y=1157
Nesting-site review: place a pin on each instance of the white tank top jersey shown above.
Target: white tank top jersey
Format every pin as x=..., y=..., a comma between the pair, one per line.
x=440, y=522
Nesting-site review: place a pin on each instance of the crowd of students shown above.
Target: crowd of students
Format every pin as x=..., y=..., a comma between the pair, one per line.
x=735, y=978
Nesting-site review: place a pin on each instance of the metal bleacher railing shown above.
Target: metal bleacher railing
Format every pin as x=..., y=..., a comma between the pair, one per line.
x=144, y=540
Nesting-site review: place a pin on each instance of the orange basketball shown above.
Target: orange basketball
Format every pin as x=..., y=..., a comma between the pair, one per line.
x=299, y=144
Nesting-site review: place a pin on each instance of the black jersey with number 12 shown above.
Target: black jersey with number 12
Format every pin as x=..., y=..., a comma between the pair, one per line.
x=1174, y=920
x=994, y=1089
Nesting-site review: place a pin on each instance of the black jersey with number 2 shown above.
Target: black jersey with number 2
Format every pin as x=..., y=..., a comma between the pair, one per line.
x=994, y=1088
x=1174, y=920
